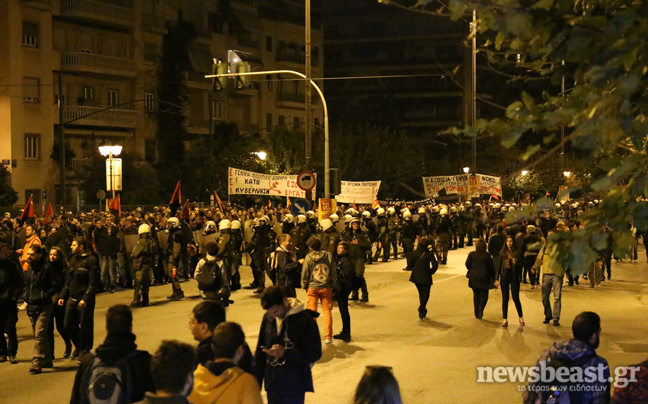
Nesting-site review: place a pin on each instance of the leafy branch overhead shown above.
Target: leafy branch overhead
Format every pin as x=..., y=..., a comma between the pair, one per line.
x=598, y=47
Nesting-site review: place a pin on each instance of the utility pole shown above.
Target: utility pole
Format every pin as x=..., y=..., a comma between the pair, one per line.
x=308, y=129
x=474, y=88
x=61, y=140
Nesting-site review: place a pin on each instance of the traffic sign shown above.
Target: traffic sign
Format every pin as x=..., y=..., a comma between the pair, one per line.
x=300, y=206
x=101, y=194
x=306, y=180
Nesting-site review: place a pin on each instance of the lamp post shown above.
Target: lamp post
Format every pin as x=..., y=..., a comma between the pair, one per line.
x=110, y=151
x=567, y=174
x=524, y=172
x=466, y=170
x=261, y=154
x=327, y=173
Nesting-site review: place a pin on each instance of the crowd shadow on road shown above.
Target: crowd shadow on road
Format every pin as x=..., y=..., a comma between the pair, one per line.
x=341, y=351
x=512, y=345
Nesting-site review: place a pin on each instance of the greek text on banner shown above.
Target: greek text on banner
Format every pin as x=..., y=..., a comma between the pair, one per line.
x=358, y=191
x=251, y=183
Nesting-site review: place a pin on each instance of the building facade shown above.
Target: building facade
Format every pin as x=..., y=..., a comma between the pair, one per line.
x=99, y=59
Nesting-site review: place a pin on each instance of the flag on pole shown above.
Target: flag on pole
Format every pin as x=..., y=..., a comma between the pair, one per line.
x=29, y=209
x=220, y=203
x=115, y=206
x=269, y=203
x=176, y=199
x=354, y=206
x=547, y=193
x=185, y=210
x=495, y=197
x=288, y=202
x=48, y=214
x=375, y=204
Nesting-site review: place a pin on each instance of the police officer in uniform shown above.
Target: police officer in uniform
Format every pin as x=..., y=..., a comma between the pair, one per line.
x=331, y=237
x=370, y=227
x=142, y=256
x=225, y=247
x=174, y=256
x=299, y=235
x=382, y=236
x=444, y=232
x=408, y=233
x=393, y=223
x=237, y=253
x=261, y=245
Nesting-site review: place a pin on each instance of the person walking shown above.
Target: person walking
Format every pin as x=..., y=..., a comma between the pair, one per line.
x=552, y=281
x=11, y=288
x=507, y=277
x=60, y=267
x=318, y=277
x=40, y=286
x=424, y=265
x=481, y=274
x=346, y=280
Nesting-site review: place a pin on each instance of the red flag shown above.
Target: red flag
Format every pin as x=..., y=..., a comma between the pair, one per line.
x=269, y=203
x=375, y=204
x=177, y=196
x=29, y=209
x=48, y=214
x=185, y=210
x=288, y=202
x=548, y=194
x=354, y=206
x=115, y=206
x=496, y=197
x=220, y=203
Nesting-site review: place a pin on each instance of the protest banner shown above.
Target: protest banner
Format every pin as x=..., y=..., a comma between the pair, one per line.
x=358, y=192
x=464, y=184
x=251, y=183
x=326, y=208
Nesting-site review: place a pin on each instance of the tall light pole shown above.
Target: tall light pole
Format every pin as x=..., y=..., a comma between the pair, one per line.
x=327, y=170
x=308, y=130
x=473, y=27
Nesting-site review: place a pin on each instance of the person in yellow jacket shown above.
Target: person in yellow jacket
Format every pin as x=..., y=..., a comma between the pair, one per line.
x=552, y=279
x=221, y=380
x=31, y=239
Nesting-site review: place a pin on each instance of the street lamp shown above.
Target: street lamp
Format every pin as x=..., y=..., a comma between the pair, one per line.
x=524, y=172
x=567, y=173
x=111, y=151
x=466, y=170
x=261, y=154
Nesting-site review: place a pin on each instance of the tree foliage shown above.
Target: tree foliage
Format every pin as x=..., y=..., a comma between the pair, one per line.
x=599, y=45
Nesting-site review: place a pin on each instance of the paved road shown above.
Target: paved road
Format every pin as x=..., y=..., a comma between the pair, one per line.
x=434, y=360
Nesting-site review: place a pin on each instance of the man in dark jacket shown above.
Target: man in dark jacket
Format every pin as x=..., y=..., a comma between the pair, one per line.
x=423, y=265
x=359, y=244
x=284, y=355
x=346, y=281
x=119, y=344
x=107, y=245
x=80, y=290
x=40, y=286
x=286, y=267
x=11, y=287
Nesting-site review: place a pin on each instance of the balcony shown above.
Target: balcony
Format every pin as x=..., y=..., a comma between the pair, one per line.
x=92, y=63
x=154, y=23
x=123, y=118
x=118, y=12
x=42, y=5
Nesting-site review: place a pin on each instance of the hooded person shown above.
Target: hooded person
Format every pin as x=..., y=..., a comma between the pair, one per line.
x=211, y=276
x=221, y=380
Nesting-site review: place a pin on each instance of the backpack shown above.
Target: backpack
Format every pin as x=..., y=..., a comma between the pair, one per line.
x=209, y=276
x=108, y=383
x=555, y=392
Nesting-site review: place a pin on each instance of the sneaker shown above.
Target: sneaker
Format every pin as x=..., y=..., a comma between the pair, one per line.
x=556, y=323
x=328, y=341
x=35, y=369
x=546, y=321
x=13, y=360
x=48, y=365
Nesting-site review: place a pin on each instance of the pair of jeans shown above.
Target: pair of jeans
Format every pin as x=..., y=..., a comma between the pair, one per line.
x=108, y=266
x=424, y=296
x=552, y=283
x=514, y=287
x=480, y=298
x=40, y=317
x=8, y=320
x=79, y=324
x=58, y=320
x=325, y=296
x=594, y=274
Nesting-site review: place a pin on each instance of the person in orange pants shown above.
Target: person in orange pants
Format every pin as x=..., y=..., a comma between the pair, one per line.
x=319, y=274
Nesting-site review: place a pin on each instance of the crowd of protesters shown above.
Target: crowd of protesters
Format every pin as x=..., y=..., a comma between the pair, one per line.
x=57, y=265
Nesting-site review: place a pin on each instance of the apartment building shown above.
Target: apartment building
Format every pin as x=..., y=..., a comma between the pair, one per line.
x=89, y=55
x=415, y=65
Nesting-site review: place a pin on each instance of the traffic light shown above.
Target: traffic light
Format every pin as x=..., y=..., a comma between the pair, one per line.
x=219, y=83
x=242, y=81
